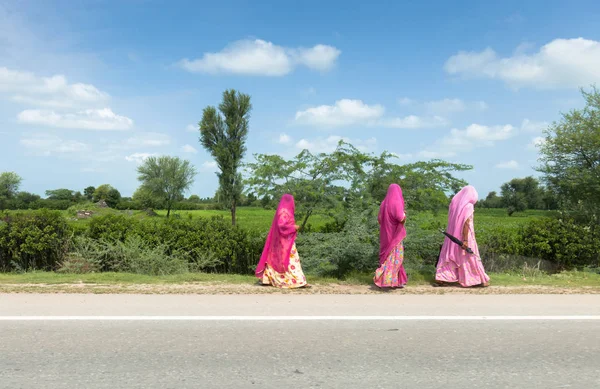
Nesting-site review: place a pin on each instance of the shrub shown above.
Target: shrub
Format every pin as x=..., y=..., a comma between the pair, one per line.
x=567, y=244
x=33, y=240
x=112, y=227
x=353, y=249
x=211, y=243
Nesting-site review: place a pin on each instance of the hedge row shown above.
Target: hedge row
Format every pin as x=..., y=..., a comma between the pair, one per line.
x=43, y=240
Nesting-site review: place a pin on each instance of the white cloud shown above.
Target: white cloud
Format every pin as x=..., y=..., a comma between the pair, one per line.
x=405, y=101
x=413, y=122
x=191, y=128
x=285, y=139
x=261, y=58
x=530, y=126
x=89, y=119
x=345, y=112
x=474, y=136
x=189, y=149
x=349, y=112
x=329, y=144
x=47, y=145
x=536, y=143
x=450, y=106
x=508, y=165
x=139, y=158
x=50, y=92
x=562, y=63
x=209, y=167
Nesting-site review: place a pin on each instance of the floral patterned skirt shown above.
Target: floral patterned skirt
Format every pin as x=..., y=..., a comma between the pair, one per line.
x=292, y=278
x=391, y=273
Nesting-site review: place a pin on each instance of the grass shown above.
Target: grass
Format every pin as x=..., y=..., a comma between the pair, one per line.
x=516, y=279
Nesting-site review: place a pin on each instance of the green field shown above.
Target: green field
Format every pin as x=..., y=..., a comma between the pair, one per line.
x=260, y=219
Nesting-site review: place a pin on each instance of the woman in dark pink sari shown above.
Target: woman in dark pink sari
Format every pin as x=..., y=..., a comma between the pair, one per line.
x=390, y=273
x=279, y=263
x=455, y=264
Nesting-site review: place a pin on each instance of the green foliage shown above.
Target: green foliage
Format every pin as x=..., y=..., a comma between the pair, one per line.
x=88, y=193
x=111, y=227
x=233, y=249
x=32, y=240
x=491, y=201
x=425, y=185
x=224, y=136
x=107, y=193
x=522, y=193
x=62, y=194
x=570, y=158
x=9, y=186
x=564, y=242
x=164, y=180
x=353, y=249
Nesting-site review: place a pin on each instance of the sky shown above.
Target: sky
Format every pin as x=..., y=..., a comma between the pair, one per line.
x=89, y=88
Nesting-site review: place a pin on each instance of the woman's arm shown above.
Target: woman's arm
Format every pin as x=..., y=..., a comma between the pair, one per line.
x=465, y=233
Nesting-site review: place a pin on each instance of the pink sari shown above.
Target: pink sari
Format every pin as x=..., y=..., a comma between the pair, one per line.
x=455, y=264
x=281, y=238
x=391, y=216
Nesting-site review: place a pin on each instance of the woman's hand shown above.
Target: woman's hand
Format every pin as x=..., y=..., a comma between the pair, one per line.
x=297, y=227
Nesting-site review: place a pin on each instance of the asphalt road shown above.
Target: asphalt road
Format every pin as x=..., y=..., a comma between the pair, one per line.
x=463, y=349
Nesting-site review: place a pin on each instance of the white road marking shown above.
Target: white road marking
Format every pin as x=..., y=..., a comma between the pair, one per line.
x=299, y=318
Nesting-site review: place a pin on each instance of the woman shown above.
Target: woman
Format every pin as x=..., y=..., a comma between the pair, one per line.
x=455, y=264
x=279, y=263
x=391, y=219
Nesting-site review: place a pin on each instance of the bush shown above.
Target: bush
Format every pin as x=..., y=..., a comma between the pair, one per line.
x=34, y=240
x=112, y=227
x=567, y=244
x=353, y=249
x=210, y=243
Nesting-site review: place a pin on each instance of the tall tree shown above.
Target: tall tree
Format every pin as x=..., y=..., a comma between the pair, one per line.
x=166, y=178
x=9, y=187
x=107, y=193
x=89, y=192
x=223, y=134
x=570, y=158
x=9, y=184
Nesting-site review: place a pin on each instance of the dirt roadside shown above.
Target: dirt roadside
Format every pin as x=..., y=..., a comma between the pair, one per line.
x=221, y=288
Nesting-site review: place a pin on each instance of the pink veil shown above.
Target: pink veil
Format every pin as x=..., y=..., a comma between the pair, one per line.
x=461, y=208
x=391, y=213
x=280, y=240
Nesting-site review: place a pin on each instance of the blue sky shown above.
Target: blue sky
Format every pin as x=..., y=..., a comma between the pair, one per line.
x=90, y=88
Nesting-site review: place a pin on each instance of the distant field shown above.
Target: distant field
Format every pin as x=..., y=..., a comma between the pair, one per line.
x=260, y=219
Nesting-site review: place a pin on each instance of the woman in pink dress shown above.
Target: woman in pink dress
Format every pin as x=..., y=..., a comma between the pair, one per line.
x=455, y=264
x=390, y=273
x=279, y=263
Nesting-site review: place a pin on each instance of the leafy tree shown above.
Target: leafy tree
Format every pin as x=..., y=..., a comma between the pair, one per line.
x=332, y=182
x=9, y=184
x=166, y=178
x=107, y=193
x=319, y=182
x=522, y=193
x=146, y=199
x=89, y=192
x=425, y=185
x=223, y=134
x=513, y=199
x=492, y=200
x=194, y=199
x=570, y=158
x=61, y=194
